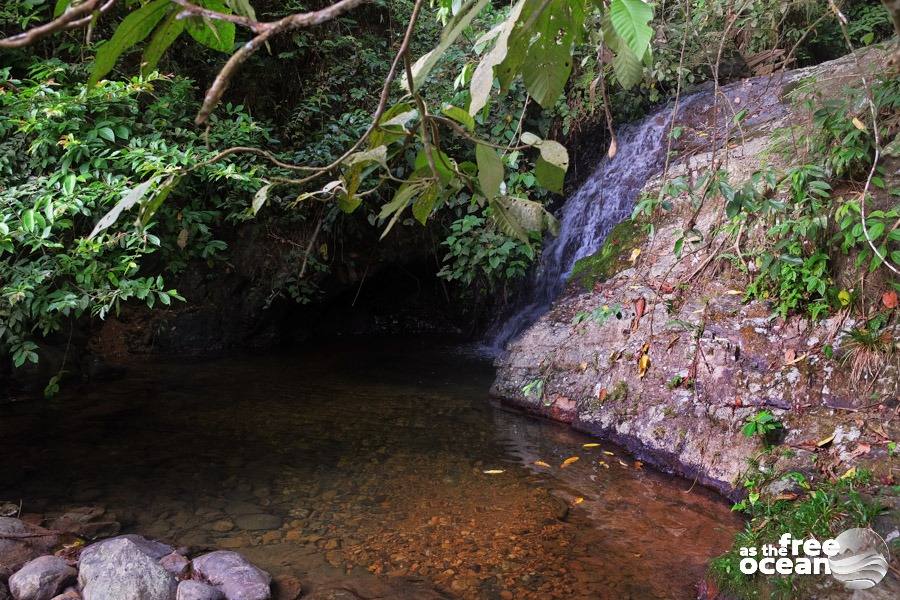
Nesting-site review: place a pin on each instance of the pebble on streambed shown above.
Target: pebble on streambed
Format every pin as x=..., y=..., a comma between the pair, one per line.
x=126, y=567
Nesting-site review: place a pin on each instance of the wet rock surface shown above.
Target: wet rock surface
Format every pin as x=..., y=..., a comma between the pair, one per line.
x=21, y=542
x=714, y=360
x=234, y=575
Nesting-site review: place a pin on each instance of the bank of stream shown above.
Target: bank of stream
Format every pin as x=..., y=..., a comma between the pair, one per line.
x=364, y=462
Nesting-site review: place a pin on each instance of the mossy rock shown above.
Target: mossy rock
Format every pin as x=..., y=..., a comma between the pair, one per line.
x=611, y=258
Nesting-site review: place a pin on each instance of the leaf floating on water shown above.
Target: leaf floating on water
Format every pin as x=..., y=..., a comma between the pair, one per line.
x=608, y=453
x=493, y=471
x=578, y=500
x=540, y=463
x=825, y=441
x=568, y=461
x=589, y=445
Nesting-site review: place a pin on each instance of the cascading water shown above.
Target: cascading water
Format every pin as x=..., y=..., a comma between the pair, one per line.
x=603, y=201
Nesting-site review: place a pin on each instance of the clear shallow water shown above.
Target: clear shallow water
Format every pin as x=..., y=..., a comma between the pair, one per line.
x=364, y=459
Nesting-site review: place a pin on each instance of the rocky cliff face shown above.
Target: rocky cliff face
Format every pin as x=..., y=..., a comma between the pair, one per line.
x=664, y=356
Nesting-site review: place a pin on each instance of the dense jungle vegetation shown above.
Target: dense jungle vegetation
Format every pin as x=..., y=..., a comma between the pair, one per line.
x=138, y=136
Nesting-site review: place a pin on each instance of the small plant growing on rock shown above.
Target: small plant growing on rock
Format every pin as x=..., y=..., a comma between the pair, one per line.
x=534, y=389
x=765, y=425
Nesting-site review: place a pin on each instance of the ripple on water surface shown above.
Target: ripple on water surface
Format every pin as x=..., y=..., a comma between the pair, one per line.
x=360, y=458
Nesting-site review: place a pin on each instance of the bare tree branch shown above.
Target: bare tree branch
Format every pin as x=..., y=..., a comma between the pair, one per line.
x=267, y=30
x=74, y=16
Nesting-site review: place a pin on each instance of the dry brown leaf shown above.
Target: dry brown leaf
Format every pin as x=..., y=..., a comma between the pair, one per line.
x=568, y=461
x=602, y=395
x=786, y=496
x=889, y=299
x=578, y=500
x=638, y=464
x=789, y=355
x=608, y=453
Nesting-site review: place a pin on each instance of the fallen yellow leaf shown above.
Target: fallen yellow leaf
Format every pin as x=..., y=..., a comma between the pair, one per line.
x=608, y=453
x=493, y=471
x=589, y=445
x=541, y=463
x=634, y=255
x=734, y=293
x=568, y=461
x=825, y=440
x=844, y=297
x=851, y=472
x=604, y=464
x=643, y=365
x=858, y=124
x=578, y=500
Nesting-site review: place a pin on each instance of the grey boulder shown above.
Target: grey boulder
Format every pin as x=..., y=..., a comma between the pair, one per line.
x=196, y=590
x=234, y=575
x=41, y=579
x=125, y=568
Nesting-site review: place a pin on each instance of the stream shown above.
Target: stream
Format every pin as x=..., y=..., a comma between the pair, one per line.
x=364, y=461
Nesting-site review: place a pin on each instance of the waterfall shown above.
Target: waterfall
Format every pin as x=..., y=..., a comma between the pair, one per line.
x=603, y=200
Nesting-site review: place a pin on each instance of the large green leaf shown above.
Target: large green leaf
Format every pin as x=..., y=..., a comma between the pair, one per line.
x=483, y=78
x=630, y=19
x=452, y=31
x=133, y=29
x=162, y=38
x=547, y=70
x=540, y=47
x=490, y=170
x=549, y=176
x=213, y=33
x=627, y=67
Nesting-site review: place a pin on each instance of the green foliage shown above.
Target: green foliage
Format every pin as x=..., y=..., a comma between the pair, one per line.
x=71, y=154
x=763, y=424
x=479, y=255
x=821, y=510
x=599, y=315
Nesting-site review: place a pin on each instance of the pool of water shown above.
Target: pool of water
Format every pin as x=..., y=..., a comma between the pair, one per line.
x=366, y=461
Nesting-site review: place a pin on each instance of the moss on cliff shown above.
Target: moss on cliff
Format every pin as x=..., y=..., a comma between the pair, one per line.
x=611, y=258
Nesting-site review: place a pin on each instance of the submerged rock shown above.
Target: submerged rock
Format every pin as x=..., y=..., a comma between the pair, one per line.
x=41, y=579
x=234, y=575
x=20, y=542
x=196, y=590
x=126, y=568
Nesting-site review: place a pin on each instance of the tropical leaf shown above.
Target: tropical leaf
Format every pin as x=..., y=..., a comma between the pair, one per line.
x=133, y=29
x=483, y=78
x=162, y=38
x=131, y=198
x=452, y=31
x=213, y=33
x=490, y=170
x=630, y=19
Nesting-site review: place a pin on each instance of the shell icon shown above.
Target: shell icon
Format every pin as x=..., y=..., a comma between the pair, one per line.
x=861, y=560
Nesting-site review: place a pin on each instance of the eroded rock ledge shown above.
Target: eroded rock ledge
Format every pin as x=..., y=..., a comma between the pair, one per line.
x=714, y=359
